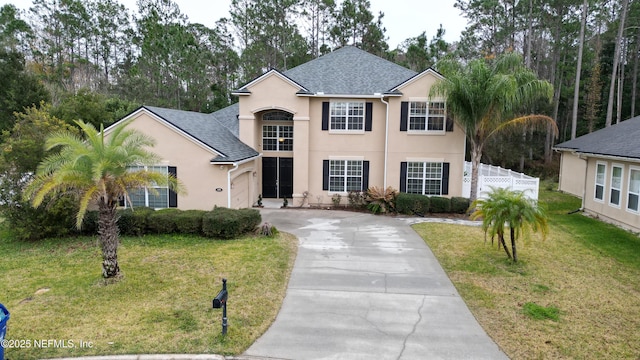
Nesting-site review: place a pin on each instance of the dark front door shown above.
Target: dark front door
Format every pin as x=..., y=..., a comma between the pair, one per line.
x=277, y=177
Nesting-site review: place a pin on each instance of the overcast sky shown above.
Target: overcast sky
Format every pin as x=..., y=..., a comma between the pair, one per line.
x=402, y=18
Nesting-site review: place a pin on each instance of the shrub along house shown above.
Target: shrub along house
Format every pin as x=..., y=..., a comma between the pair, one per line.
x=342, y=122
x=603, y=168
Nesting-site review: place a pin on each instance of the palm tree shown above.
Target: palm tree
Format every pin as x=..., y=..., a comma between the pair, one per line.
x=506, y=208
x=484, y=96
x=95, y=170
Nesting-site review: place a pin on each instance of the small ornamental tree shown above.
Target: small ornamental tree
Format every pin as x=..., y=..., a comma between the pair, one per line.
x=95, y=170
x=510, y=209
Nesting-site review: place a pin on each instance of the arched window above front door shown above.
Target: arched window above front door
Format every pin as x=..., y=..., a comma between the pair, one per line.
x=277, y=115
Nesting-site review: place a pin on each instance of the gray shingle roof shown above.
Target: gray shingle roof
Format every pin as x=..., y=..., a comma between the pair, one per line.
x=348, y=71
x=209, y=130
x=229, y=118
x=621, y=140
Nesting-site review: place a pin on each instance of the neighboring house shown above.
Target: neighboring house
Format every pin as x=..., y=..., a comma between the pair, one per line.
x=603, y=168
x=343, y=122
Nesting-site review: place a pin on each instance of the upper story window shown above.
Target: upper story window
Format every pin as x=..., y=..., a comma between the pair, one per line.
x=346, y=116
x=277, y=138
x=427, y=116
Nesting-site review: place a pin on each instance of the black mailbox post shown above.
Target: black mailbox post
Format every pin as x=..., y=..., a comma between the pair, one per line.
x=220, y=301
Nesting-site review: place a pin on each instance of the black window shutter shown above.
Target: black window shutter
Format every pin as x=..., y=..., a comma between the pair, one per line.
x=365, y=175
x=449, y=124
x=403, y=177
x=445, y=178
x=173, y=197
x=368, y=116
x=325, y=174
x=121, y=201
x=325, y=116
x=404, y=115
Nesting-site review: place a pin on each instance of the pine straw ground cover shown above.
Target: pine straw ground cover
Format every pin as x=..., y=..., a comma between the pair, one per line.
x=54, y=291
x=575, y=295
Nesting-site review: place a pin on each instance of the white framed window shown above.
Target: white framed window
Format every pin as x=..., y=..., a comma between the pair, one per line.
x=616, y=185
x=601, y=171
x=345, y=175
x=633, y=195
x=427, y=116
x=347, y=116
x=277, y=137
x=158, y=198
x=424, y=178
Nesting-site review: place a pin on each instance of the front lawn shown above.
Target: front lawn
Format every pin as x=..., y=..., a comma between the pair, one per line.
x=54, y=291
x=575, y=295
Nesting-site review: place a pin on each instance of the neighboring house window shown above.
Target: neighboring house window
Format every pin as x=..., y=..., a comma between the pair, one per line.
x=162, y=197
x=346, y=116
x=345, y=175
x=277, y=138
x=426, y=116
x=634, y=190
x=616, y=185
x=601, y=170
x=425, y=178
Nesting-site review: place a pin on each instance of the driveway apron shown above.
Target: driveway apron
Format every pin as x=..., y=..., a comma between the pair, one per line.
x=367, y=287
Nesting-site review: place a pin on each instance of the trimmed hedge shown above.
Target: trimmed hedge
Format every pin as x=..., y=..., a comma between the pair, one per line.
x=412, y=204
x=440, y=204
x=224, y=223
x=162, y=221
x=460, y=205
x=190, y=222
x=133, y=222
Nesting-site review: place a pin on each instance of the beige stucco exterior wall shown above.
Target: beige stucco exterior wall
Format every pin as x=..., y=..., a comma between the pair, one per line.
x=604, y=209
x=192, y=160
x=409, y=146
x=572, y=170
x=312, y=145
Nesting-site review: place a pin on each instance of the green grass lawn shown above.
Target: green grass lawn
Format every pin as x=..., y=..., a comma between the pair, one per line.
x=575, y=295
x=54, y=291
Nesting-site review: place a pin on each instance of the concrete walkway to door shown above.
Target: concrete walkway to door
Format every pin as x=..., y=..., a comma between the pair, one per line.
x=367, y=287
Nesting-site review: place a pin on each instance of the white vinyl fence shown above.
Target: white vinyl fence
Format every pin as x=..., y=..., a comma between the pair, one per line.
x=497, y=177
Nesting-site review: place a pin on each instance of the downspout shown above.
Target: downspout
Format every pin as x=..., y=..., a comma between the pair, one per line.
x=235, y=167
x=386, y=141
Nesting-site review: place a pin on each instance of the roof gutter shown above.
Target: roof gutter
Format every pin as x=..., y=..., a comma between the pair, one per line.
x=347, y=96
x=602, y=156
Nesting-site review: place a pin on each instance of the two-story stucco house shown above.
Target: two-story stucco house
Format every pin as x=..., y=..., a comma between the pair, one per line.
x=603, y=168
x=345, y=121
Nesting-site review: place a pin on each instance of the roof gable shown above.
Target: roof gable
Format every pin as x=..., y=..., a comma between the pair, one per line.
x=427, y=72
x=273, y=72
x=620, y=140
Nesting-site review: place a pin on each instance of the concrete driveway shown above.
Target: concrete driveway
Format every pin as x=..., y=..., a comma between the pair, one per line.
x=367, y=287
